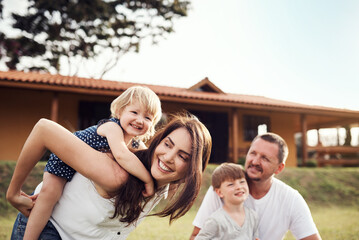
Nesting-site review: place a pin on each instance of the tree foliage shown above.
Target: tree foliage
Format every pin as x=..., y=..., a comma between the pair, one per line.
x=83, y=29
x=1, y=7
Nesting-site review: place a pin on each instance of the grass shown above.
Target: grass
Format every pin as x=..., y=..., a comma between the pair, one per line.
x=159, y=228
x=6, y=223
x=333, y=223
x=338, y=222
x=331, y=193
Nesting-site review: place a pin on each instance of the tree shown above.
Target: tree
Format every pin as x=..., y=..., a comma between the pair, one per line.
x=1, y=8
x=84, y=29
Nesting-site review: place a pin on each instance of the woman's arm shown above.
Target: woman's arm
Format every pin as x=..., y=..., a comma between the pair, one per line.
x=94, y=165
x=27, y=160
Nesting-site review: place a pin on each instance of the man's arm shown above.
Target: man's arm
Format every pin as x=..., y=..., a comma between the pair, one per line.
x=303, y=226
x=195, y=232
x=313, y=237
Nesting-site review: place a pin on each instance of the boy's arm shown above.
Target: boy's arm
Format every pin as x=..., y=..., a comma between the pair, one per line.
x=124, y=157
x=210, y=203
x=209, y=231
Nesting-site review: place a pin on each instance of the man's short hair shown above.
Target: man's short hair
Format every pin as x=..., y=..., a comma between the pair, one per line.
x=226, y=172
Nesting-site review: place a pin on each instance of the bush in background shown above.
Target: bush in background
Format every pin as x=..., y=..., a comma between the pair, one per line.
x=6, y=170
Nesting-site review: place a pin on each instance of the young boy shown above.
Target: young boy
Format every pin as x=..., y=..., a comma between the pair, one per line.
x=233, y=221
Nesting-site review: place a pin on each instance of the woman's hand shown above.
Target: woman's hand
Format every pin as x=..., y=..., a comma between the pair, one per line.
x=23, y=202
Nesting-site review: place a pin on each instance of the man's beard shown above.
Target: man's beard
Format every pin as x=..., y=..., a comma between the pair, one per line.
x=258, y=168
x=255, y=179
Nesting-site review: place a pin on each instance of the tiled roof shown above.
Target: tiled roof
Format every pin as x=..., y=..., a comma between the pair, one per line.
x=176, y=92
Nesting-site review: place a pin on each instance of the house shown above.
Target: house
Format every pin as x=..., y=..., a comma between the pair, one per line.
x=232, y=119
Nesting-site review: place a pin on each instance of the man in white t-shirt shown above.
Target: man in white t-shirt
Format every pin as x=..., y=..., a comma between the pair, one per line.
x=279, y=207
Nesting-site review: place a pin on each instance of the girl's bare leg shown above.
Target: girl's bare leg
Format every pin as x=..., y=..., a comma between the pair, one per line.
x=49, y=195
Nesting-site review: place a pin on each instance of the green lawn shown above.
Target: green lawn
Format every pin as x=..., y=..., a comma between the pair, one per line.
x=6, y=224
x=333, y=223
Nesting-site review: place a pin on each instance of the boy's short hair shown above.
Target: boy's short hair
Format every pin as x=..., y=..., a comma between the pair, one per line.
x=145, y=97
x=225, y=172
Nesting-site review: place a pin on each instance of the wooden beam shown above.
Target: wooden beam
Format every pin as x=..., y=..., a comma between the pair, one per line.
x=334, y=124
x=235, y=135
x=334, y=149
x=303, y=121
x=319, y=141
x=336, y=162
x=55, y=108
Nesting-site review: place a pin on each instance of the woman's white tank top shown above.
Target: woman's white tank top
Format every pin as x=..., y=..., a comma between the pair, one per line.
x=82, y=213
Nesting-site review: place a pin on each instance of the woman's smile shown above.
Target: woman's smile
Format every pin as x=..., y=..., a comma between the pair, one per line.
x=163, y=166
x=171, y=157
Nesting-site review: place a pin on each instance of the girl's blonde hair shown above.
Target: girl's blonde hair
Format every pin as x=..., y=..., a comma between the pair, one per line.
x=145, y=97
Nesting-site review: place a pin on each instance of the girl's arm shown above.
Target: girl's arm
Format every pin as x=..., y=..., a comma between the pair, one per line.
x=47, y=134
x=127, y=159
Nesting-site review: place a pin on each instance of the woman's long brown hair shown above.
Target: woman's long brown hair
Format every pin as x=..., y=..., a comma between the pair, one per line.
x=129, y=201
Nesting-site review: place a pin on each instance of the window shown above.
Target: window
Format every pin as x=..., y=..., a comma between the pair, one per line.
x=254, y=125
x=91, y=112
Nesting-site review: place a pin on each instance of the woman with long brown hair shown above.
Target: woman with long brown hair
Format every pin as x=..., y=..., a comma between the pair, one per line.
x=103, y=201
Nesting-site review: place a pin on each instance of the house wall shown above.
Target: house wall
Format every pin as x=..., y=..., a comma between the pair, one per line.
x=20, y=110
x=281, y=124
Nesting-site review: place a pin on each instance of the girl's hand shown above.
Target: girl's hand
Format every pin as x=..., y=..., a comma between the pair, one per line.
x=23, y=202
x=149, y=189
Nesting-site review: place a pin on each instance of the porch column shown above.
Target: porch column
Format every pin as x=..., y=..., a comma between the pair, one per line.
x=303, y=121
x=318, y=136
x=235, y=135
x=54, y=108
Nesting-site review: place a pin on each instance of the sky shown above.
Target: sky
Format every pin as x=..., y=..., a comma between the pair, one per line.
x=303, y=51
